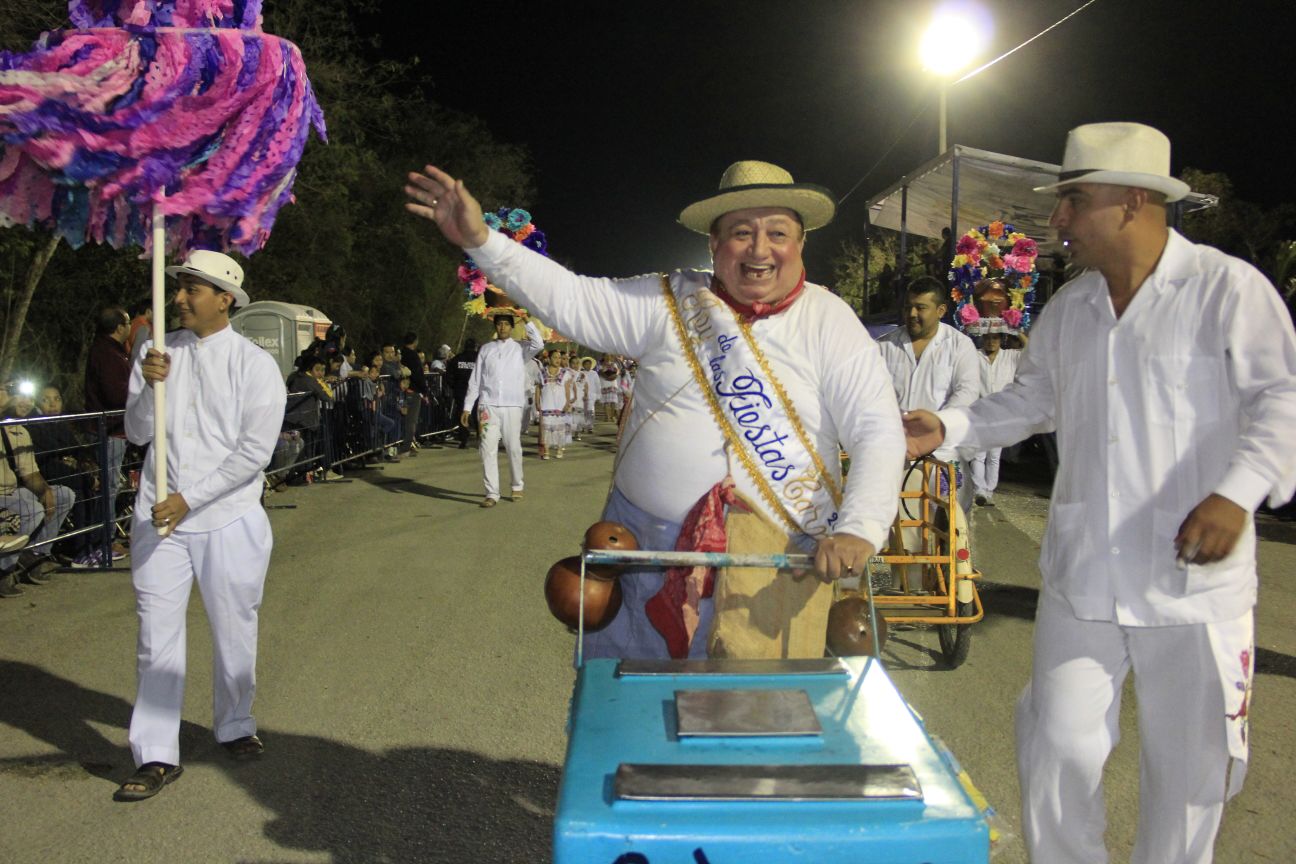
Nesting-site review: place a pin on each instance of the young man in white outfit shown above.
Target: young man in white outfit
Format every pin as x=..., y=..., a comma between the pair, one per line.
x=497, y=383
x=1169, y=372
x=224, y=411
x=998, y=366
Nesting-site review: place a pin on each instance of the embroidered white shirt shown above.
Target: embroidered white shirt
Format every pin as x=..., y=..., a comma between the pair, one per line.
x=672, y=451
x=224, y=410
x=1191, y=391
x=500, y=376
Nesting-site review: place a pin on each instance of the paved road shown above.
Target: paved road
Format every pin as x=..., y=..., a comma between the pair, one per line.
x=413, y=689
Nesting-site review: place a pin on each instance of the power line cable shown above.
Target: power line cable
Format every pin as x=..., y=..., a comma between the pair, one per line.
x=1027, y=42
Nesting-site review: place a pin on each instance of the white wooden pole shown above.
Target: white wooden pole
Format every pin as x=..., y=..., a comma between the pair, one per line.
x=159, y=342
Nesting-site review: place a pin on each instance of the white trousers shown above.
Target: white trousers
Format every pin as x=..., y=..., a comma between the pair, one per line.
x=500, y=423
x=984, y=469
x=1068, y=723
x=230, y=566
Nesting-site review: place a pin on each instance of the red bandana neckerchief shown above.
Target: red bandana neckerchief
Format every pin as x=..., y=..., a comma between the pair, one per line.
x=757, y=309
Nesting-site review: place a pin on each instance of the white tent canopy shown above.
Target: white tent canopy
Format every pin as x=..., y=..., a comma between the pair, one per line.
x=983, y=186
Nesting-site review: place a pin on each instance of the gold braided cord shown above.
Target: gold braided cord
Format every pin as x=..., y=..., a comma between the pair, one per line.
x=731, y=435
x=793, y=417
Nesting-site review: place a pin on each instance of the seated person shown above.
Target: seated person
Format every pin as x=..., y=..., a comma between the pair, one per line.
x=41, y=507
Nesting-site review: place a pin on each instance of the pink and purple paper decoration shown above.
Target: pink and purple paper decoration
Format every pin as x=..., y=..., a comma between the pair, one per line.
x=187, y=102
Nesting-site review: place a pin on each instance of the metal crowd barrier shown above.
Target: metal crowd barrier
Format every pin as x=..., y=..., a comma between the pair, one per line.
x=356, y=427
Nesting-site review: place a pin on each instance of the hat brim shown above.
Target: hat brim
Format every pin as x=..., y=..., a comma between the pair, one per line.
x=241, y=297
x=814, y=204
x=1173, y=189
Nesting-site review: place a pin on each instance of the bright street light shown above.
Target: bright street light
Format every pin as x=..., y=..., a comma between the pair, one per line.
x=957, y=33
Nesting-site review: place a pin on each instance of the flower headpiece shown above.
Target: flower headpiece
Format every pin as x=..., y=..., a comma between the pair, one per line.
x=980, y=256
x=515, y=224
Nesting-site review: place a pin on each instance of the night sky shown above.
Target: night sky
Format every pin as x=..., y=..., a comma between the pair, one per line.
x=631, y=111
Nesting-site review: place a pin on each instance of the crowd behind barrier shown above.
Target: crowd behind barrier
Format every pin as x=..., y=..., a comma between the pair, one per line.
x=363, y=423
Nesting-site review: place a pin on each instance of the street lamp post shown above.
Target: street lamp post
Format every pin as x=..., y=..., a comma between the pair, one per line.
x=956, y=32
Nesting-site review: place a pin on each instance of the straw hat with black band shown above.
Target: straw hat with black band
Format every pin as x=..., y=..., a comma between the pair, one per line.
x=1119, y=154
x=749, y=184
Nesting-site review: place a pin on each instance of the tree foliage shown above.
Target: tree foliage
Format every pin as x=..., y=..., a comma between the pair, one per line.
x=880, y=261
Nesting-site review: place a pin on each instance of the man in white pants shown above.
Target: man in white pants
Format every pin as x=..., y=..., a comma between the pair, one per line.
x=1169, y=372
x=498, y=381
x=224, y=410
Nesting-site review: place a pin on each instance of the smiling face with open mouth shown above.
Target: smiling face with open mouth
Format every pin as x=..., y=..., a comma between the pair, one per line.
x=757, y=253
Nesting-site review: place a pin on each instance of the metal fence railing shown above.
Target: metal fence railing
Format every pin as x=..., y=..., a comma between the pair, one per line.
x=95, y=475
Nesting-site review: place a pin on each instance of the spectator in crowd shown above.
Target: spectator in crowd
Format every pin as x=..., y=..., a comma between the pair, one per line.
x=306, y=394
x=66, y=459
x=348, y=363
x=460, y=369
x=410, y=359
x=107, y=377
x=141, y=324
x=41, y=507
x=384, y=425
x=442, y=358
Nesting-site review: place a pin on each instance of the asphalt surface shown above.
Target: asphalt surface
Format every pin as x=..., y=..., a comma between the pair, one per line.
x=413, y=689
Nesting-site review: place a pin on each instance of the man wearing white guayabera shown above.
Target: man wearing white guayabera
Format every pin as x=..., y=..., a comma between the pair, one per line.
x=498, y=383
x=1168, y=370
x=224, y=410
x=749, y=379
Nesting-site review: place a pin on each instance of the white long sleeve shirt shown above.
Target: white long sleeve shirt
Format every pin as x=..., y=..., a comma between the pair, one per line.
x=1192, y=391
x=947, y=375
x=500, y=376
x=998, y=373
x=224, y=411
x=672, y=451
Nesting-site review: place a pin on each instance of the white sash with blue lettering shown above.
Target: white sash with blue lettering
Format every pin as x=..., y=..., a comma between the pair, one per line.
x=751, y=408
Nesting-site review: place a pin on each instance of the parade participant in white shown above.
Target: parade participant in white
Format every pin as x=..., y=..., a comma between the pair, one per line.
x=498, y=382
x=1169, y=372
x=224, y=410
x=998, y=366
x=932, y=366
x=683, y=438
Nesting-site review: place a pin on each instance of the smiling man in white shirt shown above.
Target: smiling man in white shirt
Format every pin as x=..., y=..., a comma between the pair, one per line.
x=1169, y=372
x=224, y=410
x=750, y=378
x=497, y=386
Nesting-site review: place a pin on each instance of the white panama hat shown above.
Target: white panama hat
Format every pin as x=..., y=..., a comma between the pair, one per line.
x=1119, y=154
x=759, y=184
x=217, y=268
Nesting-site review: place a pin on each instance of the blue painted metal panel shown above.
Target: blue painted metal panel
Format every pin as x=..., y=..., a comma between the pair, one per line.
x=631, y=719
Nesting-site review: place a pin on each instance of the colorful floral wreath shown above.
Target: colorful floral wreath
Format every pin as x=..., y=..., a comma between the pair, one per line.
x=979, y=255
x=515, y=224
